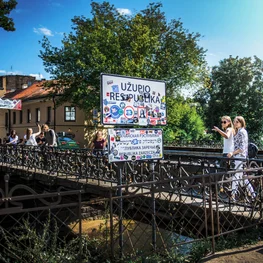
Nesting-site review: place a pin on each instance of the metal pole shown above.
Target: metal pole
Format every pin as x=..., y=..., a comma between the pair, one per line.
x=211, y=214
x=80, y=225
x=111, y=226
x=153, y=208
x=7, y=177
x=55, y=119
x=120, y=170
x=217, y=208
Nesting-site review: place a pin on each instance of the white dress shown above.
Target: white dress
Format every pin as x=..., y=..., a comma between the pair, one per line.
x=31, y=140
x=229, y=143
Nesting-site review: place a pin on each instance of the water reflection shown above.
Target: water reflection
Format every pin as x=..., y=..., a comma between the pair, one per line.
x=137, y=236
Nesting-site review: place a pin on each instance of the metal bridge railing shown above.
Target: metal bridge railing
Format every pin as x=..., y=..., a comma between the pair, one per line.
x=140, y=218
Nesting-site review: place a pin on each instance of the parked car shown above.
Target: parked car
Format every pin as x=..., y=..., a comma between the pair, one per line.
x=67, y=143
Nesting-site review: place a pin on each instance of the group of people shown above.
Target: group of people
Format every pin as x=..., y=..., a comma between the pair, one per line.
x=236, y=146
x=44, y=136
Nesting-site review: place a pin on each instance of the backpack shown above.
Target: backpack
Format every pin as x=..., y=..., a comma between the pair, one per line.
x=252, y=150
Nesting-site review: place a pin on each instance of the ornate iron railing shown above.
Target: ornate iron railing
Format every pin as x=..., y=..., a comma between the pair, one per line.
x=143, y=218
x=83, y=165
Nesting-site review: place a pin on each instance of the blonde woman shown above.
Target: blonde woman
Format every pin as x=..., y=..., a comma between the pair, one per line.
x=227, y=133
x=30, y=137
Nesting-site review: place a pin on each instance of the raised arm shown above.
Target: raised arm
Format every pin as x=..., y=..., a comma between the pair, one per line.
x=39, y=130
x=226, y=134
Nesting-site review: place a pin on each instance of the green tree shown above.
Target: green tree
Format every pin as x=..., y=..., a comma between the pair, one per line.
x=141, y=45
x=236, y=89
x=184, y=123
x=6, y=7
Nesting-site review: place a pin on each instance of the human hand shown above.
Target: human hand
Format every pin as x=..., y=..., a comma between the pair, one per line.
x=229, y=155
x=215, y=128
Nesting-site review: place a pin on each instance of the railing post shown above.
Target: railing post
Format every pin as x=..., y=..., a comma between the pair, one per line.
x=151, y=168
x=217, y=208
x=120, y=171
x=80, y=225
x=7, y=177
x=211, y=214
x=111, y=226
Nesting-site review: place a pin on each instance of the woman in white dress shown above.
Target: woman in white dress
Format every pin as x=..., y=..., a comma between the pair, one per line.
x=227, y=133
x=30, y=137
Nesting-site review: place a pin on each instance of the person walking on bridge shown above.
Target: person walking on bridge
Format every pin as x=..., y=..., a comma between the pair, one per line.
x=240, y=152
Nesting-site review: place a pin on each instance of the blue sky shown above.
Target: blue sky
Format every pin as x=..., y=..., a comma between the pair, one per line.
x=228, y=27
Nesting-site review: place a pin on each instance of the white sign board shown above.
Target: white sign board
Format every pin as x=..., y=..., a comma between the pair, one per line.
x=132, y=101
x=10, y=104
x=135, y=144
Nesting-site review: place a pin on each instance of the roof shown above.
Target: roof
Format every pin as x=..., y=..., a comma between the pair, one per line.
x=36, y=90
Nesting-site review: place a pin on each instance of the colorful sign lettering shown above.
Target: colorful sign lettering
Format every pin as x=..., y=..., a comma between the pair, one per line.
x=132, y=101
x=135, y=144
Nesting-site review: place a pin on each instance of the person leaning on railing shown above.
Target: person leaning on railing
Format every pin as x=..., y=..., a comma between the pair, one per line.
x=30, y=137
x=98, y=144
x=41, y=140
x=50, y=135
x=12, y=138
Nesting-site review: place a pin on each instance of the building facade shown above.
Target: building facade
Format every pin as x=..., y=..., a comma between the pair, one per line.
x=39, y=107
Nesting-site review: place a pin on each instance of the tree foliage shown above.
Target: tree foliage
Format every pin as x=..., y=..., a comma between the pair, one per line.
x=6, y=7
x=184, y=123
x=236, y=89
x=141, y=45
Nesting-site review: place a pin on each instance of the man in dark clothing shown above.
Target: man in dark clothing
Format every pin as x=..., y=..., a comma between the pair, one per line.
x=50, y=136
x=41, y=140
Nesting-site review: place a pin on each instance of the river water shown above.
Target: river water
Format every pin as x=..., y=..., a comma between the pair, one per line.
x=137, y=236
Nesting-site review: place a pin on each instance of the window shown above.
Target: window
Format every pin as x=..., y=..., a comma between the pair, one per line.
x=14, y=117
x=21, y=116
x=70, y=113
x=37, y=114
x=6, y=119
x=28, y=116
x=48, y=114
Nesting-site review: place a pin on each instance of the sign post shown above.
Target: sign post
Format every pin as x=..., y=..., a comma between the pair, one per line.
x=128, y=101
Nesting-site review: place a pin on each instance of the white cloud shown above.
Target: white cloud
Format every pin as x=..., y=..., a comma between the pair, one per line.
x=124, y=11
x=59, y=33
x=37, y=76
x=43, y=30
x=55, y=4
x=212, y=54
x=4, y=72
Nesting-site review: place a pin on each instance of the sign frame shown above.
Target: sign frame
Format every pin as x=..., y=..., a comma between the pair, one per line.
x=123, y=96
x=134, y=142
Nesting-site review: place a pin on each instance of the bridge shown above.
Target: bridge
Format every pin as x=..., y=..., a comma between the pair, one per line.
x=184, y=198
